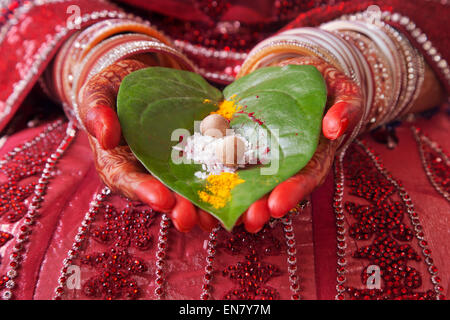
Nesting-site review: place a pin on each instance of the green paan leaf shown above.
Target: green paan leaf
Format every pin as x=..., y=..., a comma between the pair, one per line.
x=287, y=101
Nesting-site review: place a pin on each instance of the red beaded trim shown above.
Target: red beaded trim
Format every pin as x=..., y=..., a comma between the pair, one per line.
x=123, y=232
x=381, y=222
x=291, y=251
x=25, y=230
x=25, y=161
x=161, y=255
x=79, y=243
x=4, y=238
x=211, y=250
x=251, y=274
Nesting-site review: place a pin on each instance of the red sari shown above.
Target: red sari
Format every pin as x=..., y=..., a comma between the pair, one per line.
x=61, y=237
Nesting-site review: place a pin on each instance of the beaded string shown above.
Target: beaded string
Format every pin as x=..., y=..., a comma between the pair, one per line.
x=80, y=239
x=291, y=259
x=161, y=255
x=207, y=277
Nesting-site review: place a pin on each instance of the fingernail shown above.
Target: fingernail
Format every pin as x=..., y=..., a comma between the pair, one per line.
x=335, y=129
x=102, y=122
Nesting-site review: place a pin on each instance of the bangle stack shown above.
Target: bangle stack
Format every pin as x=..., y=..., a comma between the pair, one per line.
x=409, y=72
x=383, y=49
x=413, y=76
x=379, y=59
x=380, y=74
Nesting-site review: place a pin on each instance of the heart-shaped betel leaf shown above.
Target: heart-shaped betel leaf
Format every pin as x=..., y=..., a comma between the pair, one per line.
x=286, y=103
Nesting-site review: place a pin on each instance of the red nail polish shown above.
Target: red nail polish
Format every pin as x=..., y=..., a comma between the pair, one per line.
x=103, y=123
x=336, y=129
x=155, y=194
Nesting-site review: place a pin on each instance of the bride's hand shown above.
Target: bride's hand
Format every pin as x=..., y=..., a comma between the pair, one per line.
x=115, y=162
x=344, y=99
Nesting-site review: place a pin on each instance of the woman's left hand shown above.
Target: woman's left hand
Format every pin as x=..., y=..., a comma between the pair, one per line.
x=344, y=97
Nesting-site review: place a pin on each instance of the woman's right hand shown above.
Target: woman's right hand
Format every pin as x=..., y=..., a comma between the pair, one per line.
x=115, y=163
x=343, y=113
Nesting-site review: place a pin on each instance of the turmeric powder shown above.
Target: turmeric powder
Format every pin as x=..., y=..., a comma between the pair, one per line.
x=218, y=189
x=228, y=107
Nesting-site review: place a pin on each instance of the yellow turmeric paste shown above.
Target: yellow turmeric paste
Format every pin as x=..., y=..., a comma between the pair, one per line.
x=218, y=189
x=228, y=107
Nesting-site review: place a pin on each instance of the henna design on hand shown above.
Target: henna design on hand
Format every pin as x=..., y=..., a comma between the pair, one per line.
x=97, y=101
x=344, y=97
x=102, y=88
x=339, y=86
x=118, y=168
